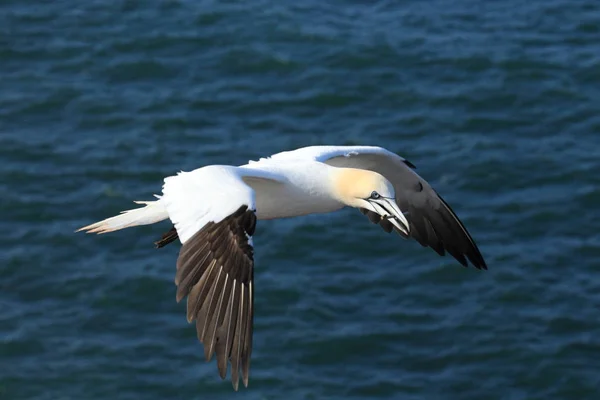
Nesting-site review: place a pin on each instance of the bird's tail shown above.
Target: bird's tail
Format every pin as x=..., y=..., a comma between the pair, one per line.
x=152, y=212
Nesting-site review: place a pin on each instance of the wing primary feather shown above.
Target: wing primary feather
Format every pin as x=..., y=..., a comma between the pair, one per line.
x=447, y=235
x=197, y=295
x=194, y=247
x=225, y=336
x=417, y=227
x=193, y=270
x=211, y=333
x=208, y=309
x=237, y=342
x=459, y=243
x=188, y=259
x=433, y=238
x=247, y=349
x=472, y=251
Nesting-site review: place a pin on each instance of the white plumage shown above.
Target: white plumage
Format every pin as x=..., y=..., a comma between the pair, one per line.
x=214, y=211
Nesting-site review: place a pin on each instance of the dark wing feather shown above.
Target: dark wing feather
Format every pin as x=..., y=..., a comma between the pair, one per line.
x=432, y=222
x=215, y=269
x=167, y=238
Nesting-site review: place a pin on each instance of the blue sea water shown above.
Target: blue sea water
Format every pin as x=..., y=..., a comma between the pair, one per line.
x=497, y=103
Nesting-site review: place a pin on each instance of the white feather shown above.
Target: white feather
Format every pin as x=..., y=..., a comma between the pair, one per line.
x=204, y=195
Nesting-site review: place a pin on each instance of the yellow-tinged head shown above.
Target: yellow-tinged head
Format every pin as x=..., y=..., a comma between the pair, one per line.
x=354, y=186
x=362, y=188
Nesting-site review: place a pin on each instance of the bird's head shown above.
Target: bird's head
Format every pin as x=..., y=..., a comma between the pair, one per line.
x=361, y=188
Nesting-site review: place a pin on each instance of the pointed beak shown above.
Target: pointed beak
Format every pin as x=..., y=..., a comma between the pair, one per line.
x=387, y=208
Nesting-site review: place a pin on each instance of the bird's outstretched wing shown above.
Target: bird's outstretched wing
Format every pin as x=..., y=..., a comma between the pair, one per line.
x=213, y=212
x=432, y=222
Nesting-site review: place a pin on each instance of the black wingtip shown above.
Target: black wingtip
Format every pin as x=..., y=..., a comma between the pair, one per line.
x=466, y=247
x=475, y=256
x=476, y=259
x=470, y=256
x=482, y=265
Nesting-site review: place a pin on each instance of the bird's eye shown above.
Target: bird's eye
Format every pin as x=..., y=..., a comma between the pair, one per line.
x=375, y=195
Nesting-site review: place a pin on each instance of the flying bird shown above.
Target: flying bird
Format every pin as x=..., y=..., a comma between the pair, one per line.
x=214, y=211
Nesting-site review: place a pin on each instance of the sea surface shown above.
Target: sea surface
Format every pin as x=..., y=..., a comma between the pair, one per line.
x=497, y=103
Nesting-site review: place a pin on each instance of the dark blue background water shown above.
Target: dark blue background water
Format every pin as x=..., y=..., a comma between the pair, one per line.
x=497, y=103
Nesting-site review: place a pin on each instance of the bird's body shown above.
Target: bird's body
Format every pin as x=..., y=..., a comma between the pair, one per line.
x=299, y=188
x=214, y=210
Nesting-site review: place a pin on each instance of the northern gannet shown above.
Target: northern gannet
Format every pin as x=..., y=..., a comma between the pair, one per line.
x=214, y=210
